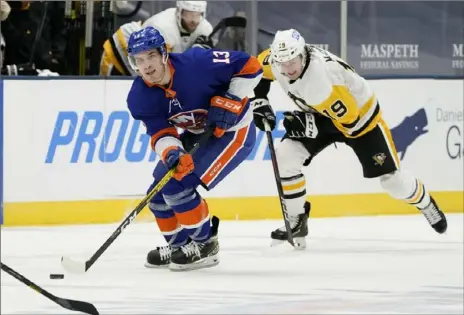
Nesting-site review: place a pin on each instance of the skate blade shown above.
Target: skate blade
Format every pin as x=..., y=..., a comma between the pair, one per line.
x=148, y=265
x=203, y=263
x=300, y=243
x=275, y=242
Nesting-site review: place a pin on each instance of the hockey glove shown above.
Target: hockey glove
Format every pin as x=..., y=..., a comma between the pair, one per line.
x=203, y=41
x=224, y=112
x=175, y=156
x=300, y=125
x=262, y=110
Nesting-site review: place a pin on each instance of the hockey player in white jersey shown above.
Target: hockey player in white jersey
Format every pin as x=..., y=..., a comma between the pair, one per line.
x=334, y=104
x=183, y=26
x=114, y=60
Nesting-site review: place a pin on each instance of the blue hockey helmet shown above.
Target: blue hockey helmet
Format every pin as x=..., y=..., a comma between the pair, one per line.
x=146, y=39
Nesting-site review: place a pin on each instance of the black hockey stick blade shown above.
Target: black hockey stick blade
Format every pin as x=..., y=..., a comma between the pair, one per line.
x=75, y=266
x=235, y=21
x=78, y=306
x=73, y=305
x=280, y=190
x=232, y=21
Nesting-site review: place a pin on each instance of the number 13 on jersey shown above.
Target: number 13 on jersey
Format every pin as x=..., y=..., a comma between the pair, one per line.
x=221, y=56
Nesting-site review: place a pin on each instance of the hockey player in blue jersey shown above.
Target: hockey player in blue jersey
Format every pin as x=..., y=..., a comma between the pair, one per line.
x=191, y=91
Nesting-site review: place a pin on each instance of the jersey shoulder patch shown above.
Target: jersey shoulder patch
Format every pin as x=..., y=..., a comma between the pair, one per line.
x=263, y=59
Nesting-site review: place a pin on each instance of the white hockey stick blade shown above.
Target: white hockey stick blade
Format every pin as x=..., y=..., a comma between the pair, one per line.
x=72, y=265
x=300, y=243
x=275, y=242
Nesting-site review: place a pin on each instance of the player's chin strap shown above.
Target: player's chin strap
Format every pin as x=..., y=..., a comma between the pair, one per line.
x=75, y=266
x=165, y=58
x=280, y=190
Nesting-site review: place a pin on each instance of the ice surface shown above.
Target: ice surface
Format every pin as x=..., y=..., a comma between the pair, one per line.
x=385, y=264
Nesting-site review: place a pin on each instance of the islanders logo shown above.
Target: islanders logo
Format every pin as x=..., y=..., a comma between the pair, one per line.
x=409, y=130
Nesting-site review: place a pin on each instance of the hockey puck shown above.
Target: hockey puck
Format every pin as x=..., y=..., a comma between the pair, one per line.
x=56, y=276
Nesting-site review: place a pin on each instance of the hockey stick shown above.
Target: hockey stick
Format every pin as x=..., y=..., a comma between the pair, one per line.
x=72, y=305
x=280, y=190
x=38, y=34
x=232, y=21
x=75, y=266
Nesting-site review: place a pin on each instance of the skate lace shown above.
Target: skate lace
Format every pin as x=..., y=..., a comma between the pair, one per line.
x=165, y=252
x=432, y=214
x=191, y=249
x=293, y=222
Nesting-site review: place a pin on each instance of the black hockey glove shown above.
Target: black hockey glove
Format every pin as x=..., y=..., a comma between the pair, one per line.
x=300, y=125
x=203, y=42
x=262, y=110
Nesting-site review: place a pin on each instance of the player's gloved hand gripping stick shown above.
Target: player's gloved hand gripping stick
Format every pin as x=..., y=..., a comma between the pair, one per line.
x=74, y=266
x=280, y=190
x=177, y=158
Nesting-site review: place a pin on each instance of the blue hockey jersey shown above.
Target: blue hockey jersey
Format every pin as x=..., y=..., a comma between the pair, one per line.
x=196, y=76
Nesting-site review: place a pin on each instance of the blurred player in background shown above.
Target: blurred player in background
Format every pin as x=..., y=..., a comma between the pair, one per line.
x=181, y=27
x=114, y=58
x=4, y=12
x=334, y=104
x=191, y=91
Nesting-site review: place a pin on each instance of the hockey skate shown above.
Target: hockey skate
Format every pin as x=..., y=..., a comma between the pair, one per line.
x=299, y=225
x=159, y=257
x=196, y=255
x=435, y=216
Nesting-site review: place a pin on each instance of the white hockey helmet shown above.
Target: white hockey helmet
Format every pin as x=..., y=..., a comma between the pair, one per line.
x=287, y=45
x=194, y=6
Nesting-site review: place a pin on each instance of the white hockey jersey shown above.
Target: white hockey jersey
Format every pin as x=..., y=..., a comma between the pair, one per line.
x=332, y=88
x=115, y=50
x=166, y=23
